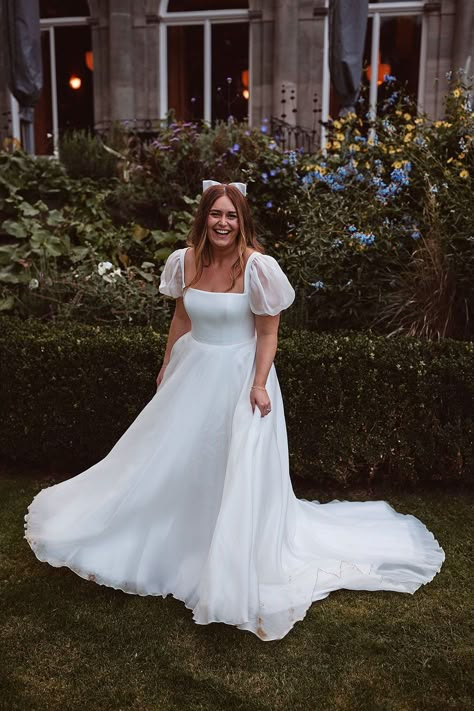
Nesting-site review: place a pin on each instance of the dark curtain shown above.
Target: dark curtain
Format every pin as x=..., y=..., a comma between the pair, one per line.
x=347, y=27
x=22, y=47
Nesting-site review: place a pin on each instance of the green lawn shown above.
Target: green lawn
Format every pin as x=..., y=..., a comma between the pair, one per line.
x=68, y=644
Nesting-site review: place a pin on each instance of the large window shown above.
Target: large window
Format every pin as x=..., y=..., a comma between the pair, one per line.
x=204, y=60
x=395, y=44
x=67, y=98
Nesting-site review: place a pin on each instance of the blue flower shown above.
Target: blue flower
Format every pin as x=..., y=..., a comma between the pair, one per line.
x=235, y=148
x=265, y=177
x=415, y=234
x=318, y=284
x=337, y=243
x=389, y=79
x=269, y=204
x=263, y=129
x=273, y=173
x=365, y=239
x=399, y=176
x=352, y=229
x=292, y=157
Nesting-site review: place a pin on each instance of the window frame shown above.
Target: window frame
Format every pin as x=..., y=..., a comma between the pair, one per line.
x=376, y=11
x=48, y=25
x=205, y=18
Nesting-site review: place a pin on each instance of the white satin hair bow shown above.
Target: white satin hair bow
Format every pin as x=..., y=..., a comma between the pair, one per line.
x=242, y=187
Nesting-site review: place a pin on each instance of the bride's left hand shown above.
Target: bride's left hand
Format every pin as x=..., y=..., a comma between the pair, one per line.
x=260, y=399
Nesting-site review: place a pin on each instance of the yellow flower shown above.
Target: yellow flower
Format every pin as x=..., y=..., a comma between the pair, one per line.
x=450, y=160
x=328, y=146
x=392, y=150
x=418, y=121
x=336, y=144
x=438, y=124
x=337, y=124
x=397, y=164
x=407, y=117
x=367, y=164
x=408, y=137
x=410, y=127
x=457, y=93
x=354, y=147
x=461, y=156
x=340, y=136
x=464, y=174
x=398, y=112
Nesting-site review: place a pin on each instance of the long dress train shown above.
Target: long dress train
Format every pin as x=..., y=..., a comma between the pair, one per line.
x=195, y=499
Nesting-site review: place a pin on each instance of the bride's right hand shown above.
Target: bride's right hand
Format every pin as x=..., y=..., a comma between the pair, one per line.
x=160, y=375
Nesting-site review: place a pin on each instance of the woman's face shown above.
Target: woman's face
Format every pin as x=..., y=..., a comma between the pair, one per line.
x=222, y=223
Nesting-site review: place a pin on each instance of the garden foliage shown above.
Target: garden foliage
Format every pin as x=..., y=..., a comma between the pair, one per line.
x=361, y=409
x=375, y=231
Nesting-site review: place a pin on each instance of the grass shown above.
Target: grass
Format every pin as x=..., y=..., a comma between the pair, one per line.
x=68, y=644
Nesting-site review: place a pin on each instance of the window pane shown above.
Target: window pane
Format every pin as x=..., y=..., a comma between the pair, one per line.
x=75, y=105
x=193, y=5
x=64, y=8
x=186, y=71
x=399, y=53
x=230, y=62
x=43, y=115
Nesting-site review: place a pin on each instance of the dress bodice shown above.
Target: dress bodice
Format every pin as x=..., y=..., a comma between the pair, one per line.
x=219, y=318
x=226, y=318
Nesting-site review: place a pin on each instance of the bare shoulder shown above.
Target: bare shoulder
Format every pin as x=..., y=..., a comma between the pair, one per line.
x=248, y=253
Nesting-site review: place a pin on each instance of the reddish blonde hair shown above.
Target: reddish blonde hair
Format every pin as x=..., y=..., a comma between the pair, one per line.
x=197, y=237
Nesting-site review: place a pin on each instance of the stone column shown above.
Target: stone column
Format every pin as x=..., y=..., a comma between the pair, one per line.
x=463, y=36
x=121, y=54
x=285, y=85
x=261, y=43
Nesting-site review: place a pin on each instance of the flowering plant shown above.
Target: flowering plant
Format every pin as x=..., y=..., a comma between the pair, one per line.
x=385, y=221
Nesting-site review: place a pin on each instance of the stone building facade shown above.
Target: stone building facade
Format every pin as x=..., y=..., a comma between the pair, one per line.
x=150, y=56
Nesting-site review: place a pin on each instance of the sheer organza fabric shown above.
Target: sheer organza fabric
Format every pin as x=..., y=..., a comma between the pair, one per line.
x=269, y=291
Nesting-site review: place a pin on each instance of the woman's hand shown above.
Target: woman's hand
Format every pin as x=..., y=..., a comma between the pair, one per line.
x=160, y=375
x=259, y=398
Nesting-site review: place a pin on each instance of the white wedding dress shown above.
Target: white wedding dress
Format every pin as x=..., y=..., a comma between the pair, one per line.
x=195, y=499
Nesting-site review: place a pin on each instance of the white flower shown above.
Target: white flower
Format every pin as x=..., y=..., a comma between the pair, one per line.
x=104, y=267
x=110, y=278
x=34, y=284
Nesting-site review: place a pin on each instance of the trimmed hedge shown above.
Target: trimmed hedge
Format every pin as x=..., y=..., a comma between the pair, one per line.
x=360, y=409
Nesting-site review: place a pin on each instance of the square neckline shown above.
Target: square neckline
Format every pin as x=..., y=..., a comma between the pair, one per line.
x=225, y=293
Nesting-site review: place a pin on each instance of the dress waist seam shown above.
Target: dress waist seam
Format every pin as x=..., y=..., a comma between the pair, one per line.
x=213, y=343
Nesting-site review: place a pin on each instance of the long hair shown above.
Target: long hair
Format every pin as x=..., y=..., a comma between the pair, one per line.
x=197, y=236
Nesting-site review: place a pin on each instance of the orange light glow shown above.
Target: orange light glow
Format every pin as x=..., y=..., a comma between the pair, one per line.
x=246, y=94
x=383, y=69
x=89, y=57
x=75, y=82
x=244, y=78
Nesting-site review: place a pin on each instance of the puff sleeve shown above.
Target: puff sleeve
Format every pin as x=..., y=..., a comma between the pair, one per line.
x=269, y=289
x=171, y=283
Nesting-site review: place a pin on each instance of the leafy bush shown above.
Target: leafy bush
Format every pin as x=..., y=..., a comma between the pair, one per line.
x=55, y=231
x=385, y=227
x=85, y=155
x=360, y=408
x=164, y=172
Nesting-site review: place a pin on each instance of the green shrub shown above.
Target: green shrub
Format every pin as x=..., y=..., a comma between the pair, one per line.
x=385, y=225
x=85, y=155
x=361, y=409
